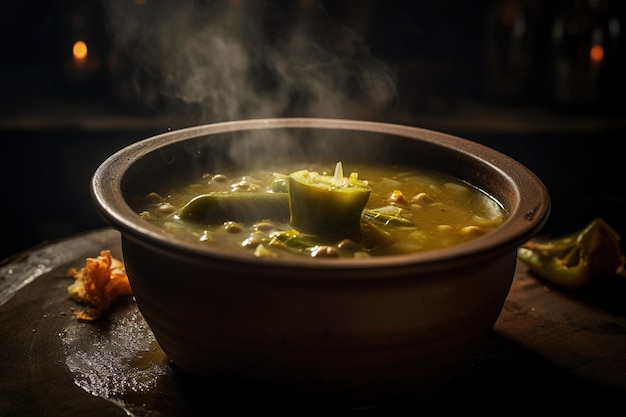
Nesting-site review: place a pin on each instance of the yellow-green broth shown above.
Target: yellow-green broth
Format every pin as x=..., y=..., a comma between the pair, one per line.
x=440, y=211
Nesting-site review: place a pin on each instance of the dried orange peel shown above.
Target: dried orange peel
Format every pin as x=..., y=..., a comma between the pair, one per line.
x=99, y=282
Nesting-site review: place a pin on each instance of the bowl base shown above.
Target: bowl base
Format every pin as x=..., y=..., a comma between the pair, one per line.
x=202, y=393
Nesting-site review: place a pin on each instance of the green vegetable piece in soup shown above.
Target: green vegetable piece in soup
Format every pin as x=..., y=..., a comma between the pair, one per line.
x=327, y=205
x=219, y=207
x=377, y=216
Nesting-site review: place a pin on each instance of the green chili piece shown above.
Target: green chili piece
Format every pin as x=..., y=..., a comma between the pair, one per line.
x=218, y=207
x=326, y=205
x=577, y=259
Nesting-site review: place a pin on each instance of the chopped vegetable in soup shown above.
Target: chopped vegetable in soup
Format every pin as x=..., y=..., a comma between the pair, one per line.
x=317, y=212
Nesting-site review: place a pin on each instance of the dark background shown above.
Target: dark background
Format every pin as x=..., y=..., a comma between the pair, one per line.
x=492, y=71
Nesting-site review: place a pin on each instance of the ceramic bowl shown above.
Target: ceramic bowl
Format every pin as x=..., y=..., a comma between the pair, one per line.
x=358, y=332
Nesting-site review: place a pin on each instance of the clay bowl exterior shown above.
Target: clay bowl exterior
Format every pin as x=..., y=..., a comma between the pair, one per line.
x=360, y=332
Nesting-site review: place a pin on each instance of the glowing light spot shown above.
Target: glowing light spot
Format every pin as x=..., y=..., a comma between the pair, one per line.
x=79, y=50
x=596, y=53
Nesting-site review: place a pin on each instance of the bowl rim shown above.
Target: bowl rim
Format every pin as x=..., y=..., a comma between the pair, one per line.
x=523, y=222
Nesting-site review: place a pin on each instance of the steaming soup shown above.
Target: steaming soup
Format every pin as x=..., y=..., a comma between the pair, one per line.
x=405, y=210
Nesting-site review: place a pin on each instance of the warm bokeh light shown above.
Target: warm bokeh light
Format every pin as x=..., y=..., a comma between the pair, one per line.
x=79, y=50
x=596, y=53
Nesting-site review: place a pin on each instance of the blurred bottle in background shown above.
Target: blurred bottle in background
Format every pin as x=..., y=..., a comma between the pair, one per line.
x=586, y=40
x=512, y=40
x=566, y=55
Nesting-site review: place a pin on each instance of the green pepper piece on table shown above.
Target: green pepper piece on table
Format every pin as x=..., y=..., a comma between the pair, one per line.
x=575, y=260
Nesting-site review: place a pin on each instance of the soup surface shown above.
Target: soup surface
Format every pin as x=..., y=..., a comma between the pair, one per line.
x=407, y=210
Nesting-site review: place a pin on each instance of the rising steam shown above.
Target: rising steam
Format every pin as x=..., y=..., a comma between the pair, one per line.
x=227, y=60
